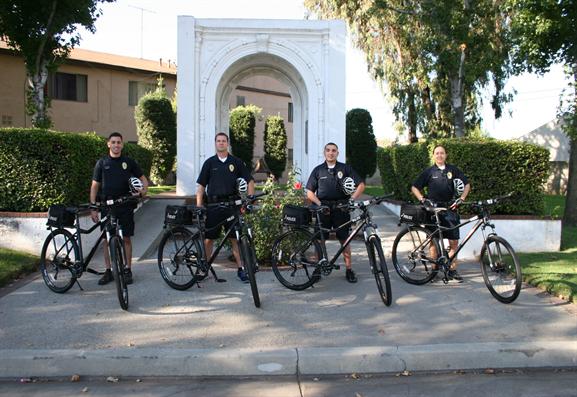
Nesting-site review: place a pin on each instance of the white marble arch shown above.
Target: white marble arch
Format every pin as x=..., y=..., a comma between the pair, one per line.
x=214, y=55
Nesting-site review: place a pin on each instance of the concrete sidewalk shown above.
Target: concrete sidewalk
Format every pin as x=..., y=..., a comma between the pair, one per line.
x=333, y=328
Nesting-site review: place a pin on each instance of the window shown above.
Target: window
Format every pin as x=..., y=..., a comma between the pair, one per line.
x=137, y=89
x=290, y=112
x=68, y=87
x=240, y=101
x=6, y=120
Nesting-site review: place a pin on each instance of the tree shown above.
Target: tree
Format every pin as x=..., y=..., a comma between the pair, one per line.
x=275, y=141
x=156, y=129
x=241, y=131
x=434, y=57
x=543, y=32
x=361, y=143
x=44, y=33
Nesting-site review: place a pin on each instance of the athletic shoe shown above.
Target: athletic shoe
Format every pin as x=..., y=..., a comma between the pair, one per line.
x=454, y=275
x=128, y=276
x=241, y=274
x=351, y=276
x=106, y=277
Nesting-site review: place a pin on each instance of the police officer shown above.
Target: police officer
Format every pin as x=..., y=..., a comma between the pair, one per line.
x=218, y=180
x=444, y=182
x=325, y=187
x=110, y=181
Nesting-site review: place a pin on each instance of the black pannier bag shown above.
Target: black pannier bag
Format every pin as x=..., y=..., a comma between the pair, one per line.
x=178, y=215
x=415, y=214
x=60, y=216
x=296, y=216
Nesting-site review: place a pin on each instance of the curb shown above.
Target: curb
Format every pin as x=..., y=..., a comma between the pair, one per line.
x=302, y=361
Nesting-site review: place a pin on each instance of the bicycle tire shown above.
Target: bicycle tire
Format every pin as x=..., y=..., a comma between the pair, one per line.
x=59, y=254
x=248, y=261
x=410, y=255
x=117, y=260
x=379, y=269
x=293, y=264
x=501, y=271
x=179, y=258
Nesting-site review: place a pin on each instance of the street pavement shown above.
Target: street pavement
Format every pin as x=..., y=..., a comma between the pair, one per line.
x=214, y=329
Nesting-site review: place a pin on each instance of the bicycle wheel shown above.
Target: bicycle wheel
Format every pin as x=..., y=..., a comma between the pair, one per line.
x=179, y=258
x=501, y=269
x=117, y=258
x=413, y=252
x=295, y=255
x=59, y=254
x=379, y=269
x=249, y=263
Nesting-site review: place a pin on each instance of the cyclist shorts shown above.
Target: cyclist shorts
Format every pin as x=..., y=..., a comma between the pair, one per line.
x=449, y=219
x=335, y=218
x=214, y=216
x=125, y=215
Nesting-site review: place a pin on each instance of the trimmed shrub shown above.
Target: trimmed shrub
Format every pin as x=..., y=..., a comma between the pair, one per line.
x=241, y=131
x=361, y=143
x=275, y=141
x=493, y=167
x=156, y=128
x=39, y=167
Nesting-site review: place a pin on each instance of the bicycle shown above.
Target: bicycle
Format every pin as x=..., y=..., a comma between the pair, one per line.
x=182, y=257
x=415, y=251
x=62, y=260
x=298, y=251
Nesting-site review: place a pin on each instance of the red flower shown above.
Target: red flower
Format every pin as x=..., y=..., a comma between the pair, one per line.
x=298, y=185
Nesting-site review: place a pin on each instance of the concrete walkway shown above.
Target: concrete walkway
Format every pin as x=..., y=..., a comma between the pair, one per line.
x=333, y=328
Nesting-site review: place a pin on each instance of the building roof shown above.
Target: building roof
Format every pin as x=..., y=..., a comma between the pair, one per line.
x=79, y=55
x=551, y=137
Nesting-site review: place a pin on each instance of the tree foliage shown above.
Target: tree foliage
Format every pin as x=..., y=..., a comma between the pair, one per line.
x=433, y=57
x=156, y=129
x=44, y=33
x=241, y=131
x=361, y=143
x=543, y=32
x=275, y=145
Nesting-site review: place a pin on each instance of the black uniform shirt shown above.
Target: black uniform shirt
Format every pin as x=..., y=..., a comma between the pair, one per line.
x=113, y=174
x=325, y=182
x=440, y=183
x=220, y=177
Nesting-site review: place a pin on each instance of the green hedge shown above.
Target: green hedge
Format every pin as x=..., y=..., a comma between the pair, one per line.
x=361, y=144
x=275, y=142
x=39, y=167
x=493, y=167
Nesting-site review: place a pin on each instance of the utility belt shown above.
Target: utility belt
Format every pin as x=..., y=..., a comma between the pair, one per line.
x=221, y=198
x=332, y=204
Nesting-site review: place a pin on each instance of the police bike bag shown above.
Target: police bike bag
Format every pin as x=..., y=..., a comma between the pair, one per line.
x=414, y=214
x=179, y=215
x=294, y=215
x=60, y=216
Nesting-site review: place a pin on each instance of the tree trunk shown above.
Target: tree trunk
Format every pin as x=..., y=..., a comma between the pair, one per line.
x=38, y=108
x=457, y=96
x=570, y=215
x=412, y=114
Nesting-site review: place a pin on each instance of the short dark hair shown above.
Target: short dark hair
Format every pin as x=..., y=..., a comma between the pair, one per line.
x=333, y=144
x=115, y=134
x=439, y=145
x=221, y=134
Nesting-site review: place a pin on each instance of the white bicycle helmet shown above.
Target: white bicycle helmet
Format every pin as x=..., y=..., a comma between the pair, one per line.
x=349, y=186
x=241, y=185
x=135, y=185
x=459, y=186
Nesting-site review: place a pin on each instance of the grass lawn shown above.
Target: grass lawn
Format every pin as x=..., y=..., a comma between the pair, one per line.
x=152, y=190
x=14, y=264
x=374, y=190
x=555, y=272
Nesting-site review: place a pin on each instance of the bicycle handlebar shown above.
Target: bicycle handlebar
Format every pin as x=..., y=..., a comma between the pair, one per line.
x=238, y=202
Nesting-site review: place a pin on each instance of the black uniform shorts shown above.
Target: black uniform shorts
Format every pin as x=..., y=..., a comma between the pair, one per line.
x=335, y=218
x=214, y=216
x=125, y=215
x=449, y=219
